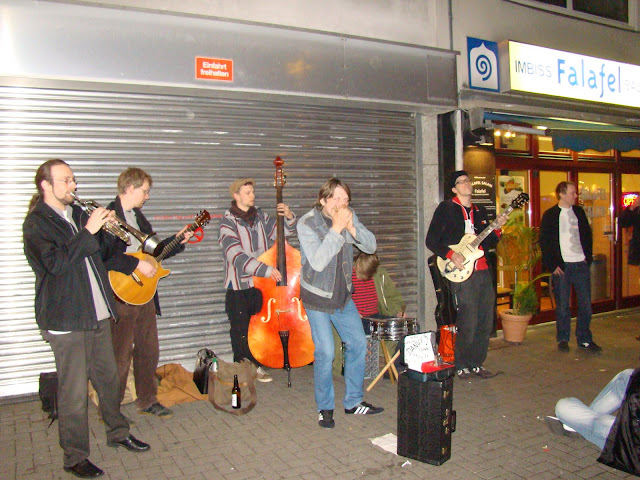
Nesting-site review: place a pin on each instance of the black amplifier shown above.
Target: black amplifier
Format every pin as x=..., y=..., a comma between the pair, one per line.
x=426, y=419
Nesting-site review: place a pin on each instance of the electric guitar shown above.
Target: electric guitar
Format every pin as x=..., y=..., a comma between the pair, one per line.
x=469, y=245
x=137, y=289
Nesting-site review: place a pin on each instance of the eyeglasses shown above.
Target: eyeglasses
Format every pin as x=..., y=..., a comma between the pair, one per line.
x=146, y=192
x=463, y=181
x=67, y=180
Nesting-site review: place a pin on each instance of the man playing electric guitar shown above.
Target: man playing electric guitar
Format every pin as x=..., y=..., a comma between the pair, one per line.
x=136, y=334
x=475, y=296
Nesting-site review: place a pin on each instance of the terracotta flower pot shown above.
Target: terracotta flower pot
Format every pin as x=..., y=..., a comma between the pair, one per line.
x=514, y=327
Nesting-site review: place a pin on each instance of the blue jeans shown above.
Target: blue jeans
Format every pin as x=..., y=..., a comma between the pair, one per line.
x=576, y=274
x=595, y=421
x=349, y=326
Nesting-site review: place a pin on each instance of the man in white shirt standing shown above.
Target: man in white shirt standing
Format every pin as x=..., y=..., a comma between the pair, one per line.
x=566, y=242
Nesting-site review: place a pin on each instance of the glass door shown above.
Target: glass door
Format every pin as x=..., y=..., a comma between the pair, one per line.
x=548, y=181
x=630, y=274
x=510, y=184
x=594, y=191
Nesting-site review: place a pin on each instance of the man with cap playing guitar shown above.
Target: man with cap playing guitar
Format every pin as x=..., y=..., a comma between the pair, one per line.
x=475, y=296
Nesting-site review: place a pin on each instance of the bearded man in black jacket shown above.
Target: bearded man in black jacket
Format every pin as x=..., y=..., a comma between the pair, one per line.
x=74, y=308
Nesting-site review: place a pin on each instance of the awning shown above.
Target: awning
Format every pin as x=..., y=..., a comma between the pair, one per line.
x=577, y=135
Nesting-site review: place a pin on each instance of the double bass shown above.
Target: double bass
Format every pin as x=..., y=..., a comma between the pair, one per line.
x=279, y=334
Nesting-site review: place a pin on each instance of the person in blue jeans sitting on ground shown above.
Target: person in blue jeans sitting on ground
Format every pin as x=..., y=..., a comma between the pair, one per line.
x=617, y=436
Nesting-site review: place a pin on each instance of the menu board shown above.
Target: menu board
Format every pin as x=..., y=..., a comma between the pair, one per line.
x=484, y=192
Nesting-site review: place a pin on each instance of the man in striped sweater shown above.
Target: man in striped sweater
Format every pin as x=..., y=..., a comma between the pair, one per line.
x=246, y=232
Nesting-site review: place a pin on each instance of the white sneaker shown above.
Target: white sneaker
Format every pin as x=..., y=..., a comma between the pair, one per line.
x=263, y=376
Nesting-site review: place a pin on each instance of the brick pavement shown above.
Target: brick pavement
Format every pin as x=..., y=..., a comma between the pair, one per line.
x=500, y=429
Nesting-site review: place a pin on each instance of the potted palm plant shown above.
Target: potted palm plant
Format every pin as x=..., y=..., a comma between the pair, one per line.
x=519, y=253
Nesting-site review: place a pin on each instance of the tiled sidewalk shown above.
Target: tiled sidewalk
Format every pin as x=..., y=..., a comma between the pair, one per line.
x=500, y=429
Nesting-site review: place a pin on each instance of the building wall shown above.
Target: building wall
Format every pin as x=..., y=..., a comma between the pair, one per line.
x=498, y=20
x=424, y=22
x=431, y=199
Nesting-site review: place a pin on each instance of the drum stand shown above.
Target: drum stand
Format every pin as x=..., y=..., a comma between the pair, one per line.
x=393, y=373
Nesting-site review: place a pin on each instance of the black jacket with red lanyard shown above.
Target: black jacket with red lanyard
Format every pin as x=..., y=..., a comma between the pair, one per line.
x=448, y=227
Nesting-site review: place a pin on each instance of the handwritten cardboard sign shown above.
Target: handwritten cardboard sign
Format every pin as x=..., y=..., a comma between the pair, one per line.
x=419, y=348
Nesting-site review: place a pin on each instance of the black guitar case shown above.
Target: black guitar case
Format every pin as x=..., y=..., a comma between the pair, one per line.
x=446, y=311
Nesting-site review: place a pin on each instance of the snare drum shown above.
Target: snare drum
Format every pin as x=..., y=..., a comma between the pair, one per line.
x=392, y=329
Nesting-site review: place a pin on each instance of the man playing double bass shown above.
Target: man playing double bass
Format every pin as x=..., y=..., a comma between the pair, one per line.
x=246, y=232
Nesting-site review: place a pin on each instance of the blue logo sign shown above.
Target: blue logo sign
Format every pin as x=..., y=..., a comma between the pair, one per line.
x=483, y=64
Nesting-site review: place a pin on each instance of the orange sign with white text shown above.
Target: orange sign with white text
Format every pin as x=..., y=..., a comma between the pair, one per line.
x=219, y=69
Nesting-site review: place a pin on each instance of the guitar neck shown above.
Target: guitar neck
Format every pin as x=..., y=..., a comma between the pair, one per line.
x=168, y=248
x=485, y=233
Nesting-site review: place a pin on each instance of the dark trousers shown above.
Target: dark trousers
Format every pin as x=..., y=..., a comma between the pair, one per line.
x=578, y=275
x=81, y=356
x=240, y=305
x=476, y=301
x=136, y=336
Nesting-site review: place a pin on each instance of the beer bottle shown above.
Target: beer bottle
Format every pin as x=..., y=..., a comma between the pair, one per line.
x=236, y=399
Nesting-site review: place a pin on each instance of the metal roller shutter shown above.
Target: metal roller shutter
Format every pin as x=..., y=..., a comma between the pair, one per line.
x=193, y=147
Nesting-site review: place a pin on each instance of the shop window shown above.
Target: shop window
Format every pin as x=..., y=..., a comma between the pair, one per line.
x=610, y=12
x=545, y=145
x=512, y=142
x=632, y=154
x=617, y=10
x=596, y=155
x=549, y=180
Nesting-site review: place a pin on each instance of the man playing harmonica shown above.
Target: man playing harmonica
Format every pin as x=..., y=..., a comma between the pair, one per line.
x=327, y=234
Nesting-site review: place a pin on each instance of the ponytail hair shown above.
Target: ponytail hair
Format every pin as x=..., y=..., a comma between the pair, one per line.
x=43, y=173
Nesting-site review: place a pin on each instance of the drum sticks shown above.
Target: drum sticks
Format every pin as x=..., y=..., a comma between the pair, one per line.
x=386, y=367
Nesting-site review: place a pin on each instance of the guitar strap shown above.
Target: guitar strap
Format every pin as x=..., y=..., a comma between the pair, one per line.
x=468, y=217
x=131, y=219
x=469, y=227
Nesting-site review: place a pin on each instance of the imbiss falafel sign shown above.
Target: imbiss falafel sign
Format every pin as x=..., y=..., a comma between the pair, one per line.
x=219, y=69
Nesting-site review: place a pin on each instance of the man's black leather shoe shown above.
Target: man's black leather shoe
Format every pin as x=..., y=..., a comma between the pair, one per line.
x=131, y=443
x=84, y=469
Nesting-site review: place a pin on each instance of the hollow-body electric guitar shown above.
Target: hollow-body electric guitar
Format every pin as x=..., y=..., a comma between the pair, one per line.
x=469, y=247
x=137, y=289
